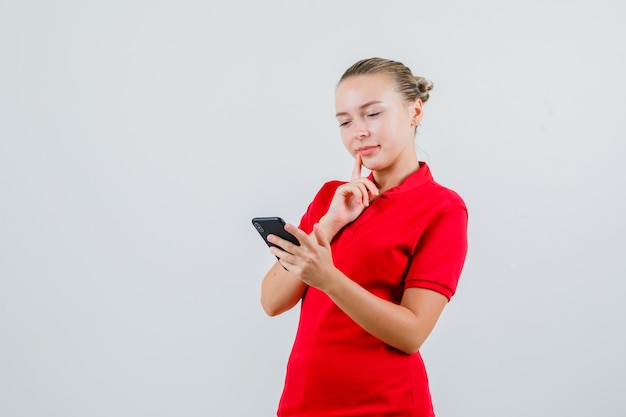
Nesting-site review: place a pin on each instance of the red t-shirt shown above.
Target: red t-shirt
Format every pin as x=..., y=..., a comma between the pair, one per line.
x=413, y=235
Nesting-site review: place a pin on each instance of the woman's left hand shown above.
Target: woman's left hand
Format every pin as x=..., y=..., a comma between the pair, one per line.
x=312, y=261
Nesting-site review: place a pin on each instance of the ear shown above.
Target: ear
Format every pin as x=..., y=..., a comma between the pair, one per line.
x=415, y=112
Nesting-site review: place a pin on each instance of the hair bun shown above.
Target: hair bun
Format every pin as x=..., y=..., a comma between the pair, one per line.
x=410, y=86
x=424, y=85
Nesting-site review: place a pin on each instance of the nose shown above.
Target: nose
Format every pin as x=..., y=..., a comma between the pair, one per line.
x=360, y=130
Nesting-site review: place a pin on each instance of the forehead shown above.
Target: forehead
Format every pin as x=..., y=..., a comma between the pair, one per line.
x=355, y=91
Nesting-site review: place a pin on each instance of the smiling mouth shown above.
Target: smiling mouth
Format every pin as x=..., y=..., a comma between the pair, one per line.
x=367, y=150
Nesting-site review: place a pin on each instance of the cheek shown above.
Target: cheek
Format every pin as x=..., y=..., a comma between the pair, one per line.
x=394, y=126
x=347, y=141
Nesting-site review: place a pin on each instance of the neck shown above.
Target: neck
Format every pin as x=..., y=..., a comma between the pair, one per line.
x=387, y=179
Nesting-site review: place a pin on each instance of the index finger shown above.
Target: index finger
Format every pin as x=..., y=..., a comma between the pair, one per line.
x=358, y=163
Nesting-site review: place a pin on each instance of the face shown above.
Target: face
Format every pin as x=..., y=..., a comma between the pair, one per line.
x=376, y=121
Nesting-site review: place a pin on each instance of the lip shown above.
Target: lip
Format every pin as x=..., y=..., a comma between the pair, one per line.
x=367, y=150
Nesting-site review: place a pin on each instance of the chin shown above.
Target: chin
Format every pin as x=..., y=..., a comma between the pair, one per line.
x=372, y=165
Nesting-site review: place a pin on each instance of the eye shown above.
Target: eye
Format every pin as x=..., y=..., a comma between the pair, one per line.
x=373, y=114
x=344, y=124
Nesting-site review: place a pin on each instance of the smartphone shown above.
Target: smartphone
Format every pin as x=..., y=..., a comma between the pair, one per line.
x=273, y=226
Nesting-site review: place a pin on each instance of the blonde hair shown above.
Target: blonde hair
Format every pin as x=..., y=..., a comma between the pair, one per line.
x=412, y=87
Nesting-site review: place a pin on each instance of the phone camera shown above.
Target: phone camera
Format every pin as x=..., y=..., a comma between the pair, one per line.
x=259, y=227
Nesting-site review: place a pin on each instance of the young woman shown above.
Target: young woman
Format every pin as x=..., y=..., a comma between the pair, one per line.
x=379, y=259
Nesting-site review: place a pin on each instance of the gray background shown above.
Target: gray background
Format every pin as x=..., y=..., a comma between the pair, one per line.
x=137, y=139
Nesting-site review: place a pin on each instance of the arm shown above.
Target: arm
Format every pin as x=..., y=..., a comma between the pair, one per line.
x=280, y=290
x=405, y=326
x=440, y=259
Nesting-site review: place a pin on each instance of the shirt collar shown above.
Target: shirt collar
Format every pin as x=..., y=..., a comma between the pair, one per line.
x=417, y=178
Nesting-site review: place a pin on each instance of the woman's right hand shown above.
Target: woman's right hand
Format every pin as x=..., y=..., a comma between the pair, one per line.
x=351, y=198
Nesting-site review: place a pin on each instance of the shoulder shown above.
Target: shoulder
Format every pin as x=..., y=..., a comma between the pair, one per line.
x=327, y=190
x=447, y=197
x=437, y=198
x=319, y=205
x=423, y=192
x=325, y=194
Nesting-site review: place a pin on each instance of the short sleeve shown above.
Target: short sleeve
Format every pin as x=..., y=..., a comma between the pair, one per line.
x=319, y=206
x=440, y=253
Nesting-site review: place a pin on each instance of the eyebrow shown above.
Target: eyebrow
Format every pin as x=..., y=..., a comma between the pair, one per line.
x=363, y=106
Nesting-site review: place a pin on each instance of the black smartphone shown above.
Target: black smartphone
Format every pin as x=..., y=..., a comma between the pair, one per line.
x=273, y=226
